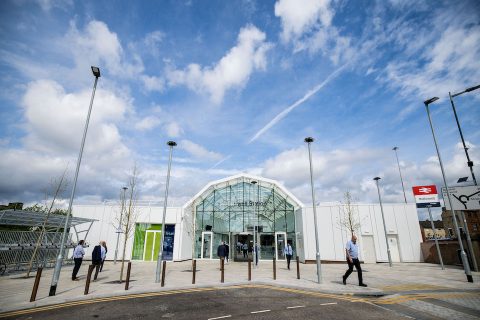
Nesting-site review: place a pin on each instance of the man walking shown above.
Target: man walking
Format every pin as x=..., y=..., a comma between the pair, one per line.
x=78, y=254
x=351, y=250
x=288, y=251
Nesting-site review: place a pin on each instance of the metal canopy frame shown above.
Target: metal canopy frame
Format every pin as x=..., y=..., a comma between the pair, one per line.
x=36, y=219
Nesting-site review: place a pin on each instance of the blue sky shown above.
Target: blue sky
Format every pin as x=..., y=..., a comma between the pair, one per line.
x=238, y=85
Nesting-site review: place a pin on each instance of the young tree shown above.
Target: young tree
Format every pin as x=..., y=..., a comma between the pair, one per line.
x=58, y=185
x=348, y=215
x=127, y=221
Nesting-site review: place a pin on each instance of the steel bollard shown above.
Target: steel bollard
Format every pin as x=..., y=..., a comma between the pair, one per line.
x=222, y=269
x=249, y=270
x=164, y=266
x=127, y=281
x=194, y=270
x=274, y=269
x=36, y=284
x=298, y=268
x=89, y=276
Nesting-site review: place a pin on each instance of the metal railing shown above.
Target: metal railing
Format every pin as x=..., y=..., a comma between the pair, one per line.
x=17, y=247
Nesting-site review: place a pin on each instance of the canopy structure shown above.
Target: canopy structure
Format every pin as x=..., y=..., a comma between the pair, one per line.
x=37, y=219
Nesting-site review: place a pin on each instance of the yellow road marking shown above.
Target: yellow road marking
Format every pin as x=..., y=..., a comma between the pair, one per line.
x=162, y=293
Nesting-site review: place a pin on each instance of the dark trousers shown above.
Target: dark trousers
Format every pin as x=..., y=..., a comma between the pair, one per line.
x=245, y=254
x=101, y=265
x=356, y=263
x=78, y=263
x=289, y=257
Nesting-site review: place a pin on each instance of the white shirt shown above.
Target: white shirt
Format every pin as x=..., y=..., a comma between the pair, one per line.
x=78, y=252
x=352, y=249
x=288, y=250
x=103, y=252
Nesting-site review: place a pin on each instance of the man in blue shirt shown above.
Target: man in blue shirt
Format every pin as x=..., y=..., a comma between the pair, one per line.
x=351, y=250
x=288, y=251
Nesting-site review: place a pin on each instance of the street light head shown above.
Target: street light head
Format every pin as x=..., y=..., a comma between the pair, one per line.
x=96, y=71
x=377, y=178
x=309, y=139
x=124, y=188
x=395, y=148
x=427, y=102
x=472, y=88
x=253, y=182
x=171, y=143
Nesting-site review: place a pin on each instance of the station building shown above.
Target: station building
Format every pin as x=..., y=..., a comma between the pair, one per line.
x=245, y=209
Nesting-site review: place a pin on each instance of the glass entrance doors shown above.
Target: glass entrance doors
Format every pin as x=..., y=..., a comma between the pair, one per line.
x=280, y=243
x=243, y=247
x=207, y=245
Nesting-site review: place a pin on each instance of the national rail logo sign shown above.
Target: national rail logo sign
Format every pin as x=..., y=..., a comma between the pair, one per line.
x=426, y=196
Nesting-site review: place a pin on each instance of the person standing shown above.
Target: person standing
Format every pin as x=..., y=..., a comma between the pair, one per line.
x=245, y=250
x=221, y=251
x=288, y=251
x=104, y=251
x=227, y=250
x=78, y=254
x=97, y=259
x=351, y=250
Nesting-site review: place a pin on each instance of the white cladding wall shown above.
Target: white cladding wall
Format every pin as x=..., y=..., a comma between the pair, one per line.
x=402, y=226
x=401, y=220
x=105, y=228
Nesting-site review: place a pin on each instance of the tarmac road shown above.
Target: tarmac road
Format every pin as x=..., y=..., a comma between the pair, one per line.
x=234, y=302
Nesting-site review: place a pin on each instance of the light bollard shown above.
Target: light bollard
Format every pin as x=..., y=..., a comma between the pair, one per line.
x=127, y=280
x=89, y=277
x=298, y=268
x=36, y=284
x=222, y=270
x=274, y=269
x=194, y=270
x=249, y=270
x=164, y=266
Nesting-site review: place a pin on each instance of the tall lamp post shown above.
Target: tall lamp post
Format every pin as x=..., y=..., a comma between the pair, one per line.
x=119, y=230
x=255, y=226
x=470, y=165
x=400, y=172
x=171, y=144
x=469, y=162
x=466, y=266
x=383, y=219
x=58, y=264
x=309, y=140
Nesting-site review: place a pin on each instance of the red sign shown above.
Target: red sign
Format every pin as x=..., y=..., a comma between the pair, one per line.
x=424, y=190
x=426, y=196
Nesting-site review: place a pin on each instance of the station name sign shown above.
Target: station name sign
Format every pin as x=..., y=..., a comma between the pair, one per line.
x=250, y=204
x=426, y=196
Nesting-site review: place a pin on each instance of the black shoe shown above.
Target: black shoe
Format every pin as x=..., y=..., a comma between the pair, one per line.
x=344, y=280
x=363, y=285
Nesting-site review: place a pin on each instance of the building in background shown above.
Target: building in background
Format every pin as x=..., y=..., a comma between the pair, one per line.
x=244, y=208
x=427, y=231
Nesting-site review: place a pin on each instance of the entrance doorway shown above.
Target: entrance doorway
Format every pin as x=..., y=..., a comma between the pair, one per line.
x=280, y=243
x=207, y=245
x=243, y=247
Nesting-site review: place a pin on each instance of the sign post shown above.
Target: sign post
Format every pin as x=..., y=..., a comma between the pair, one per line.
x=465, y=198
x=427, y=197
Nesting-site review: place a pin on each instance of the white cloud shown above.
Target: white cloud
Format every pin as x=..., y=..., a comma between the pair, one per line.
x=232, y=71
x=299, y=17
x=153, y=83
x=173, y=129
x=199, y=151
x=307, y=24
x=147, y=123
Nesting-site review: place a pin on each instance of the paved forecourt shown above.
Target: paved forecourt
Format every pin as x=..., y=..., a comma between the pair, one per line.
x=15, y=290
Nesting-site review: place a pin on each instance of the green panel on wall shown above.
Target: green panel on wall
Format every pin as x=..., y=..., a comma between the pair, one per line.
x=149, y=246
x=139, y=239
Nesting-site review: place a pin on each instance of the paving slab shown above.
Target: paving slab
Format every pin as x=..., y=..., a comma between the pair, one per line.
x=15, y=290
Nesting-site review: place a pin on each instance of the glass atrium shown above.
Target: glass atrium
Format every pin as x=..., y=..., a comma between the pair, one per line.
x=232, y=211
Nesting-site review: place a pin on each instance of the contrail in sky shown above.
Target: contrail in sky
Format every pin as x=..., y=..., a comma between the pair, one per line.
x=310, y=93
